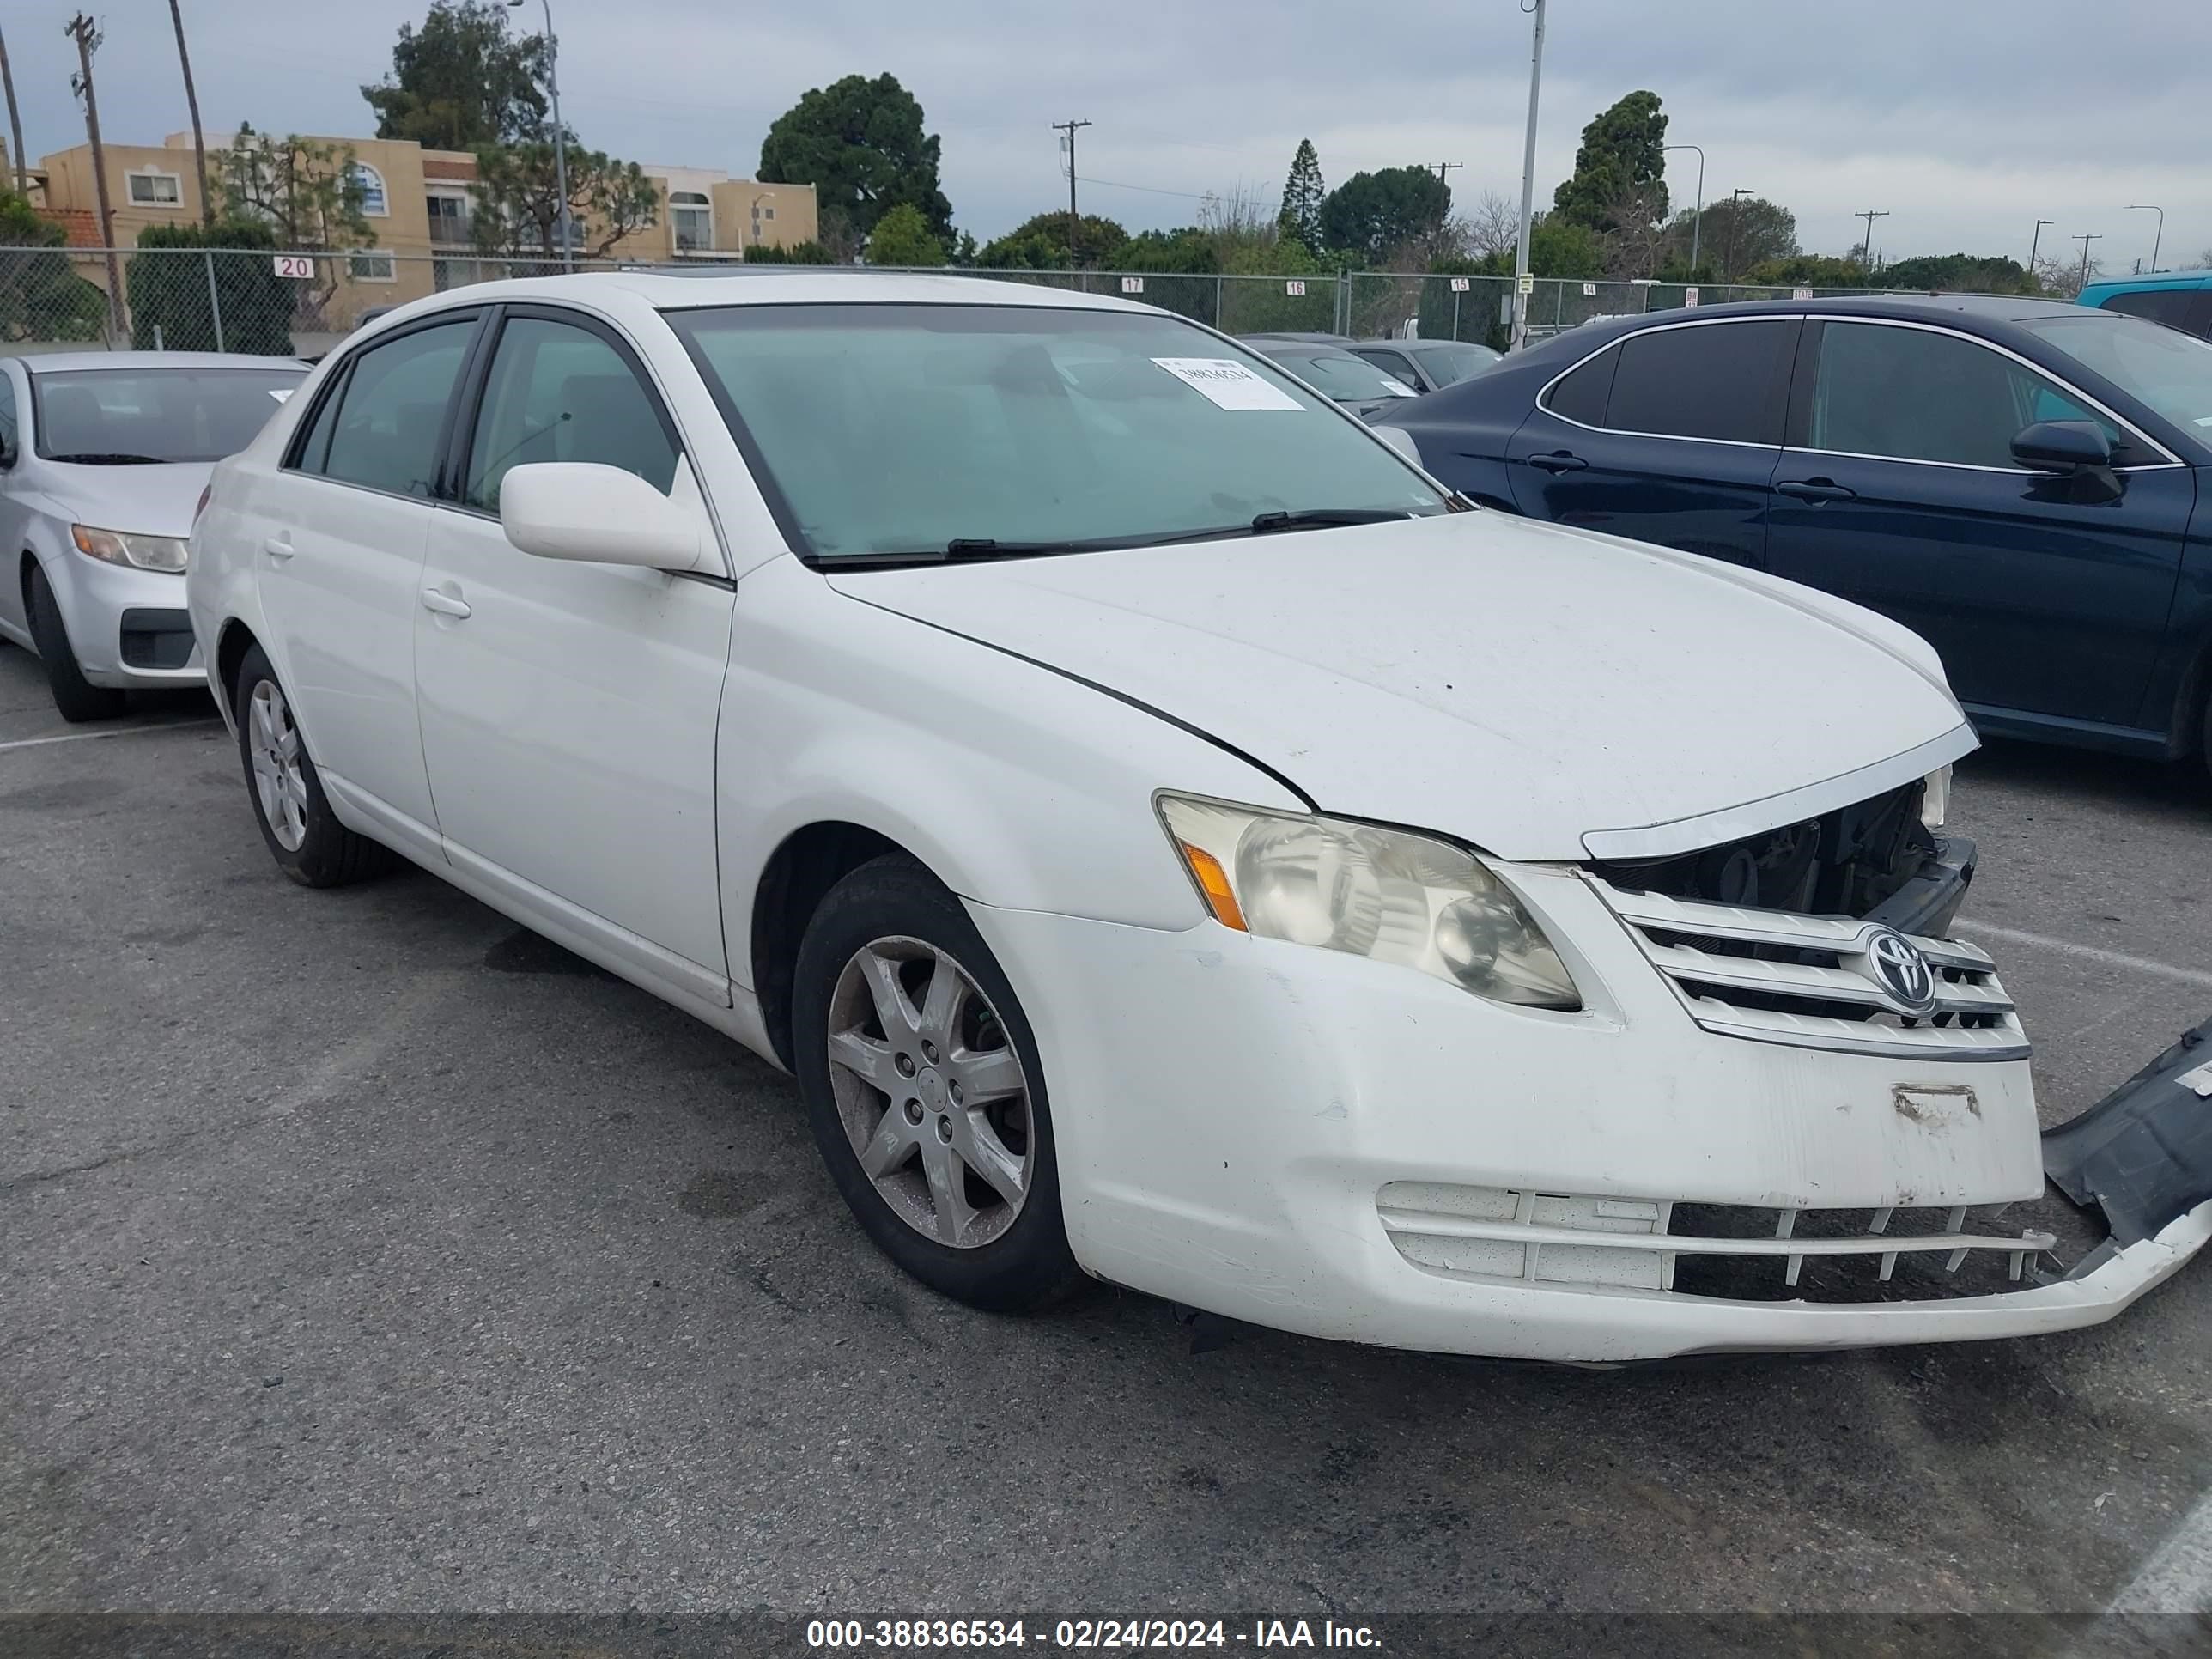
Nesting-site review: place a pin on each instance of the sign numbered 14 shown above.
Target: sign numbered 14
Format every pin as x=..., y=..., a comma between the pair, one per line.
x=297, y=266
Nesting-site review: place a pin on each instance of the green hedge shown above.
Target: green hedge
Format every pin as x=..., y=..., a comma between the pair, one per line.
x=169, y=290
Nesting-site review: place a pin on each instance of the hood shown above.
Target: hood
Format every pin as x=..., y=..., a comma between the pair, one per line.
x=144, y=501
x=1518, y=685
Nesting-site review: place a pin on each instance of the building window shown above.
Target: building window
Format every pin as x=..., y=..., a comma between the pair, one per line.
x=372, y=268
x=449, y=218
x=154, y=189
x=694, y=219
x=371, y=182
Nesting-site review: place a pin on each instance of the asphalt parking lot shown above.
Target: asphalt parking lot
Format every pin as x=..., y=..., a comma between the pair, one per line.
x=360, y=1251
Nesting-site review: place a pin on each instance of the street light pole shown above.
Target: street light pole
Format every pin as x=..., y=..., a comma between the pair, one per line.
x=2094, y=236
x=2035, y=242
x=2159, y=236
x=560, y=133
x=1698, y=215
x=1528, y=179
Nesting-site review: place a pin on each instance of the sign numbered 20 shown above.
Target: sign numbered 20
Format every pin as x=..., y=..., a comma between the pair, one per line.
x=297, y=266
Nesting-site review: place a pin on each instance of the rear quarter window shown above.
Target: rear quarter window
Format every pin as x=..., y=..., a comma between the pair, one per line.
x=1584, y=393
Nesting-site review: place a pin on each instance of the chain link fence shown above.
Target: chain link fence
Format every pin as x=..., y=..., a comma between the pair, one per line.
x=200, y=300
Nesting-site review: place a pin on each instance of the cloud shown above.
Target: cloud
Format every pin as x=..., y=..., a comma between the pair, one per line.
x=1967, y=119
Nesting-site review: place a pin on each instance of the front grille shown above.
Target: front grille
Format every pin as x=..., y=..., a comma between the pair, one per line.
x=1810, y=981
x=1732, y=1252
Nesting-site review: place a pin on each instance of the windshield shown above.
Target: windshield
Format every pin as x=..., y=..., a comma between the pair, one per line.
x=1346, y=379
x=902, y=429
x=2170, y=371
x=1453, y=360
x=120, y=416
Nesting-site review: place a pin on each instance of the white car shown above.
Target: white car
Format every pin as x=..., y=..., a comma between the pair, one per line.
x=1166, y=838
x=103, y=455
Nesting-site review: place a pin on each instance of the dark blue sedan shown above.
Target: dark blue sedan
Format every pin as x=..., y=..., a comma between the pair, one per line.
x=2017, y=481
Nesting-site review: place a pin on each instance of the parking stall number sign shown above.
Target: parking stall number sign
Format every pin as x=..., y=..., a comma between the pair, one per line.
x=1295, y=289
x=1132, y=285
x=1801, y=293
x=298, y=267
x=1227, y=384
x=1459, y=285
x=1689, y=296
x=1589, y=290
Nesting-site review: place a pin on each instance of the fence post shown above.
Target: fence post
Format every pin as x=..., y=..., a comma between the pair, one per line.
x=215, y=299
x=1218, y=281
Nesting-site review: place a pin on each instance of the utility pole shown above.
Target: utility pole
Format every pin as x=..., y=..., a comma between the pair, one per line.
x=2094, y=236
x=192, y=103
x=1074, y=224
x=1528, y=178
x=1866, y=248
x=86, y=33
x=2158, y=237
x=14, y=124
x=1442, y=168
x=1728, y=256
x=1698, y=214
x=2033, y=243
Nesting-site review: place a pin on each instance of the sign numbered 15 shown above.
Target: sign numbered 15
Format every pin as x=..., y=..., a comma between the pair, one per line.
x=297, y=266
x=1459, y=284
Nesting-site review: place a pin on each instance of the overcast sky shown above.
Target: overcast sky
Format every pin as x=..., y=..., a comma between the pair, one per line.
x=1967, y=119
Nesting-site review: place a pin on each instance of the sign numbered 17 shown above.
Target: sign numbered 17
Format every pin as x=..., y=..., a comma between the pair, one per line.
x=1132, y=285
x=297, y=266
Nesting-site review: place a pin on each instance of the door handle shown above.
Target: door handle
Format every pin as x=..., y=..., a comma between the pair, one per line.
x=1558, y=460
x=278, y=547
x=444, y=603
x=1816, y=490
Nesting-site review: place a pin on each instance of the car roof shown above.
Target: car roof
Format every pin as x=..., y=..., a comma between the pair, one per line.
x=52, y=362
x=678, y=289
x=1292, y=337
x=1418, y=346
x=2148, y=279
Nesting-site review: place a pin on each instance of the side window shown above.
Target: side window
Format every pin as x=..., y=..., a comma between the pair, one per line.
x=9, y=438
x=2170, y=306
x=384, y=429
x=1393, y=364
x=1916, y=395
x=559, y=392
x=1726, y=380
x=1584, y=394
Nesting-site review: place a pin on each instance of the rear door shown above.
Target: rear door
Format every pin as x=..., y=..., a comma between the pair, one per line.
x=1669, y=435
x=339, y=537
x=568, y=709
x=1899, y=490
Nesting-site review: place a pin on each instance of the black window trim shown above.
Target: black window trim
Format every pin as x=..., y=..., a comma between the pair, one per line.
x=1412, y=373
x=1620, y=341
x=460, y=434
x=1808, y=366
x=335, y=384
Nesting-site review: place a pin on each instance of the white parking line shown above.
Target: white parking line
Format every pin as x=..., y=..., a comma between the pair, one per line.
x=2177, y=1577
x=111, y=732
x=2090, y=953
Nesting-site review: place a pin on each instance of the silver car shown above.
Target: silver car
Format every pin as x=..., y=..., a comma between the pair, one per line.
x=103, y=457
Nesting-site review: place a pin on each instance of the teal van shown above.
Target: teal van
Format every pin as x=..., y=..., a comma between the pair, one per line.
x=2179, y=298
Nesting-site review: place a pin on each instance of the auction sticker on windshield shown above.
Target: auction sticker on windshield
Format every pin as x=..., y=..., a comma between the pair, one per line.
x=1227, y=383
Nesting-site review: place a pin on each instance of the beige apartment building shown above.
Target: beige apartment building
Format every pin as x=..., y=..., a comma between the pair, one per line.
x=418, y=205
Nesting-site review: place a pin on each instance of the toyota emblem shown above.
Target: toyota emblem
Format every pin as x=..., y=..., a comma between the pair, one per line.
x=1902, y=970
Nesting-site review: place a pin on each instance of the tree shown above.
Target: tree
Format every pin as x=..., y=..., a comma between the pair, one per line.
x=1962, y=273
x=1372, y=214
x=517, y=200
x=170, y=302
x=462, y=81
x=308, y=193
x=1493, y=227
x=1811, y=271
x=1623, y=159
x=1302, y=195
x=1040, y=243
x=1739, y=234
x=860, y=143
x=1186, y=250
x=901, y=237
x=40, y=297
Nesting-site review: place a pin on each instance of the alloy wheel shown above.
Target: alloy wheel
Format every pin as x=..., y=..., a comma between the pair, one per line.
x=931, y=1092
x=273, y=744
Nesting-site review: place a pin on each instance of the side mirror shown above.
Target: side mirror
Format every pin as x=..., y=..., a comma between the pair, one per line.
x=2063, y=446
x=598, y=515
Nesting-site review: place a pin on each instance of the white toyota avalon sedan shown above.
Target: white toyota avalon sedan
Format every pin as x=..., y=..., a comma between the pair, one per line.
x=1168, y=839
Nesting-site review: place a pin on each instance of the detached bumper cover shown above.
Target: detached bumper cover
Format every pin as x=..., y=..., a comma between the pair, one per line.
x=2143, y=1154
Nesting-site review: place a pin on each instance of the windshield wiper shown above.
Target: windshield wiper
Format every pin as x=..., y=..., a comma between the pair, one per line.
x=109, y=457
x=1316, y=516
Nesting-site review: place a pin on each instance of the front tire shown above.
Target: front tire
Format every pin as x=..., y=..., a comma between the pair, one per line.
x=925, y=1091
x=76, y=697
x=303, y=835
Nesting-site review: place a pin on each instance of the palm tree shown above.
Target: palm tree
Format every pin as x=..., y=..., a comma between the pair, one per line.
x=192, y=103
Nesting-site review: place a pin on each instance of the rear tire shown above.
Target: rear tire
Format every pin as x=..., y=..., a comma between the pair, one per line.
x=303, y=835
x=78, y=697
x=925, y=1091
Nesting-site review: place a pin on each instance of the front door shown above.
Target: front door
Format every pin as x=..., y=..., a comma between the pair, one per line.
x=568, y=709
x=2043, y=594
x=1670, y=436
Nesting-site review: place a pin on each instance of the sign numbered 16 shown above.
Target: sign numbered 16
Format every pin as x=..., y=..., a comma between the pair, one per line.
x=1295, y=289
x=297, y=266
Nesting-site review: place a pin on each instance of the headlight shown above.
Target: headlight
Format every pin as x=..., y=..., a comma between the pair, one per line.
x=1935, y=797
x=140, y=552
x=1377, y=893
